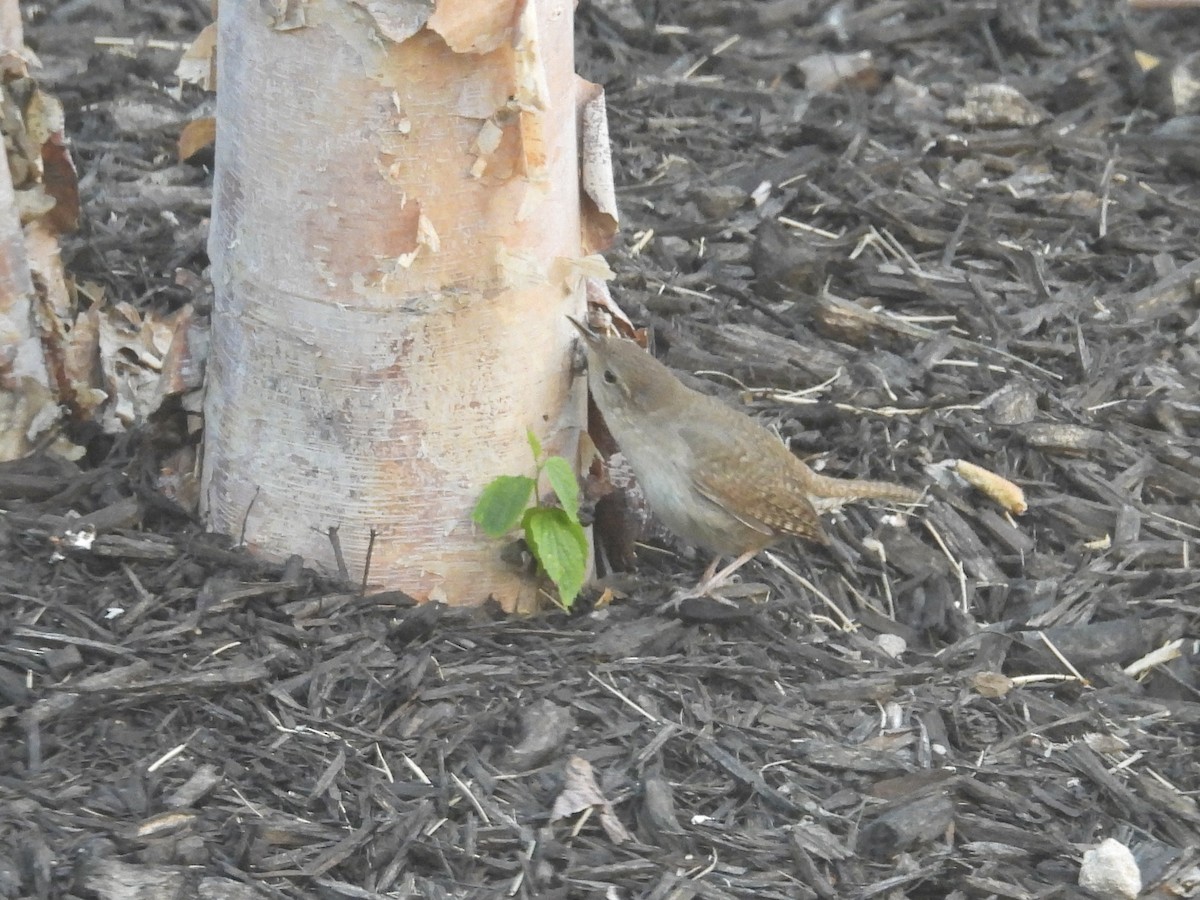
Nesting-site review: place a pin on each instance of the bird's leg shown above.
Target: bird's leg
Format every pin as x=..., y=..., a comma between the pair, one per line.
x=709, y=580
x=707, y=576
x=713, y=579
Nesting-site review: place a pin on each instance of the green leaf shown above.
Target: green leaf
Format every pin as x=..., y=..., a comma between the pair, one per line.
x=503, y=501
x=565, y=484
x=534, y=444
x=560, y=546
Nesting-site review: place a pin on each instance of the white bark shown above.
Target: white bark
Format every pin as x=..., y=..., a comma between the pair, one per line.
x=28, y=406
x=395, y=238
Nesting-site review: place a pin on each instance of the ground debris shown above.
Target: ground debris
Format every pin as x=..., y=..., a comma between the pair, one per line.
x=892, y=286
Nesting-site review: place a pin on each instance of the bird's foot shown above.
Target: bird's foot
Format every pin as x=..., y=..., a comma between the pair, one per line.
x=731, y=602
x=709, y=583
x=680, y=597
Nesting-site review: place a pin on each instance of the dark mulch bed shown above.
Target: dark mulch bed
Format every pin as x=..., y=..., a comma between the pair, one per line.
x=1020, y=296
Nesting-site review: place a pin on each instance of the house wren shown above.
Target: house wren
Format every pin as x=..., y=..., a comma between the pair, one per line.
x=713, y=475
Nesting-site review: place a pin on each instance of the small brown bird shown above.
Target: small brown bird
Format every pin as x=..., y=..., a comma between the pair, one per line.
x=713, y=475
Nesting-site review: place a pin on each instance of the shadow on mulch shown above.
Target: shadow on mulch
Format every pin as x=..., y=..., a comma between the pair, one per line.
x=950, y=707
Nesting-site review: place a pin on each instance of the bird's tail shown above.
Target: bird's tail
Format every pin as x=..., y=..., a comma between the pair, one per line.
x=829, y=493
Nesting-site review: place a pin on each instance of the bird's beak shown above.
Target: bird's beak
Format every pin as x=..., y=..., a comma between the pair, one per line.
x=589, y=337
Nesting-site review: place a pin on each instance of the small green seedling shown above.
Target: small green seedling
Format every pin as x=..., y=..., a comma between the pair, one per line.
x=554, y=534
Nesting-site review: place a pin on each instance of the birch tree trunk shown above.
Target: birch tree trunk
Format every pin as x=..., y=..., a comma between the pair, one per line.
x=395, y=244
x=30, y=398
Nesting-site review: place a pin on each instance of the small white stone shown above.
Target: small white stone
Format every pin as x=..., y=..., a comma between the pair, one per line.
x=891, y=644
x=1111, y=871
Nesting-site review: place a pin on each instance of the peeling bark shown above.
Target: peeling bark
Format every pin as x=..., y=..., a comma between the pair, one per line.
x=396, y=242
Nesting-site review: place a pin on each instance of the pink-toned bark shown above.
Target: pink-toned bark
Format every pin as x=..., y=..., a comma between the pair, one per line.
x=395, y=245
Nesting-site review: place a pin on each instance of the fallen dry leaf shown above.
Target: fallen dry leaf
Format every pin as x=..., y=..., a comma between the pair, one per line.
x=996, y=106
x=826, y=72
x=196, y=135
x=991, y=684
x=580, y=792
x=198, y=64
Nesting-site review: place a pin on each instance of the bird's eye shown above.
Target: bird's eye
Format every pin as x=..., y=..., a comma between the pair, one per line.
x=609, y=377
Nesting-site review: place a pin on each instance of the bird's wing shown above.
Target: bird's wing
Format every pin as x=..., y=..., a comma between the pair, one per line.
x=760, y=484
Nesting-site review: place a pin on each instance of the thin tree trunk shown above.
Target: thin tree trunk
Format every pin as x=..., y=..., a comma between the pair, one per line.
x=28, y=405
x=395, y=244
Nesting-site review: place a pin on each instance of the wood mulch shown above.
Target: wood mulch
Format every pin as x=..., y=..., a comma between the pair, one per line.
x=900, y=268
